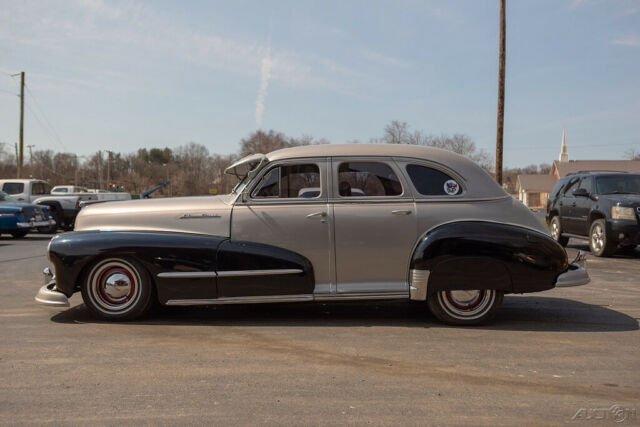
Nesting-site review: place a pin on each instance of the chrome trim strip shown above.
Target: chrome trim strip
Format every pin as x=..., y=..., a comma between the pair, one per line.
x=242, y=300
x=199, y=216
x=187, y=274
x=418, y=280
x=242, y=273
x=361, y=296
x=231, y=273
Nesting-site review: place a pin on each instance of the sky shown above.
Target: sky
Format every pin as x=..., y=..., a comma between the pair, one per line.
x=122, y=75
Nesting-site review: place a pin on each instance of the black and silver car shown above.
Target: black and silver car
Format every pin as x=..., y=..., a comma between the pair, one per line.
x=603, y=207
x=317, y=223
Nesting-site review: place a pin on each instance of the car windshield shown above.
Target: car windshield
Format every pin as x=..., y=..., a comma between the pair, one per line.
x=618, y=184
x=4, y=197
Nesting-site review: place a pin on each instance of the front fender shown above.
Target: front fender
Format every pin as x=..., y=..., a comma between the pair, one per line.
x=485, y=255
x=158, y=252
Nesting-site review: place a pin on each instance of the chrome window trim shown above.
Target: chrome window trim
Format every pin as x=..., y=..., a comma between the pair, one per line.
x=335, y=197
x=403, y=162
x=248, y=191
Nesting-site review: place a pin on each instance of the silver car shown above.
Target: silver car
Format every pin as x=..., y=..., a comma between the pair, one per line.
x=317, y=223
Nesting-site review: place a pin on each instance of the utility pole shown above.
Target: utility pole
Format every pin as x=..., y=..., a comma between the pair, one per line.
x=99, y=170
x=501, y=65
x=108, y=168
x=20, y=155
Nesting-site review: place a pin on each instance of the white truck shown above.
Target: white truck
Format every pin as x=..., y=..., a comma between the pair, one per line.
x=63, y=206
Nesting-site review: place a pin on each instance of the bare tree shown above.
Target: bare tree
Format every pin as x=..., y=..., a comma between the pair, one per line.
x=396, y=132
x=632, y=154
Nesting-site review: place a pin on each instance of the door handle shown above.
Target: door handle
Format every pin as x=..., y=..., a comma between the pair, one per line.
x=322, y=215
x=401, y=212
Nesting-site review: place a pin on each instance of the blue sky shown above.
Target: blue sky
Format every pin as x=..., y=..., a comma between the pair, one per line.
x=121, y=75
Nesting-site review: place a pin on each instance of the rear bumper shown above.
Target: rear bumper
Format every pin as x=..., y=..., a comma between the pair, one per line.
x=576, y=274
x=49, y=295
x=35, y=224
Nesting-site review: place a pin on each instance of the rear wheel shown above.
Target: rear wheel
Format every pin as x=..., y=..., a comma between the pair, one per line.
x=556, y=231
x=19, y=234
x=117, y=289
x=465, y=307
x=599, y=242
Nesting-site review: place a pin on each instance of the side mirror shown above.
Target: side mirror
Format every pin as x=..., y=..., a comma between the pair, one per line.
x=581, y=192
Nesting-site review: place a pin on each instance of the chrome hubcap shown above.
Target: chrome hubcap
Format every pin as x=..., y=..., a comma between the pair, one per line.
x=597, y=237
x=555, y=230
x=117, y=285
x=467, y=304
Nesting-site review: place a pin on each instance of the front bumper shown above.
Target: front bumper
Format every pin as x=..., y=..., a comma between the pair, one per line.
x=36, y=224
x=49, y=295
x=576, y=274
x=624, y=232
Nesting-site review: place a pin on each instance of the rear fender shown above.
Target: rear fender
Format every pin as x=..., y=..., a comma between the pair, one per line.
x=485, y=255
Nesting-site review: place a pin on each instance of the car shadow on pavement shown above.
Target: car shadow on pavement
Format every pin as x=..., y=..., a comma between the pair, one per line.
x=516, y=314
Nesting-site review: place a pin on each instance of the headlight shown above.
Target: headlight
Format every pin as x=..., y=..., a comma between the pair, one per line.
x=618, y=212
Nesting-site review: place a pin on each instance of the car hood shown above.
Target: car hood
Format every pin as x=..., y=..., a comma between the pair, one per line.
x=202, y=215
x=623, y=199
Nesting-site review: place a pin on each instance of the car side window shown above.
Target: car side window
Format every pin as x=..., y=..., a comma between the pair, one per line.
x=367, y=179
x=13, y=188
x=38, y=188
x=290, y=182
x=432, y=182
x=586, y=184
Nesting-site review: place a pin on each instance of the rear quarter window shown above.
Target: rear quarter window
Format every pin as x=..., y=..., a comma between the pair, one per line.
x=432, y=182
x=13, y=188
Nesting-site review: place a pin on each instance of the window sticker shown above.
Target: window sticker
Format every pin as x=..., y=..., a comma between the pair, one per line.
x=451, y=187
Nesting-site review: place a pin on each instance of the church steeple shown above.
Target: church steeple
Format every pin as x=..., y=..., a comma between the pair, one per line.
x=564, y=155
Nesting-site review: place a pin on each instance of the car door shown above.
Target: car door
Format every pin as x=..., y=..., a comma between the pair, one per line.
x=375, y=226
x=583, y=207
x=287, y=207
x=567, y=208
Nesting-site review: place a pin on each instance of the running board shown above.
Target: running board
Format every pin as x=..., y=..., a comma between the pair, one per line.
x=285, y=298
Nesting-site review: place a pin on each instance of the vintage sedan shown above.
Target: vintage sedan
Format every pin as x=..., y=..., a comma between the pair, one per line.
x=317, y=223
x=18, y=218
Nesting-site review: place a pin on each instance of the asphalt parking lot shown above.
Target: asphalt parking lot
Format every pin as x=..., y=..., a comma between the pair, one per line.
x=546, y=357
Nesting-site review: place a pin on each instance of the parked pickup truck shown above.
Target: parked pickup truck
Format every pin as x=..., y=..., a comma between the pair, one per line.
x=63, y=208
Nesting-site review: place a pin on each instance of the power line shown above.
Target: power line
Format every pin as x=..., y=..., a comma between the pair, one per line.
x=44, y=116
x=35, y=116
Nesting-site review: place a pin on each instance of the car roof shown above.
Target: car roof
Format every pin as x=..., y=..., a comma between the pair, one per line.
x=386, y=150
x=478, y=182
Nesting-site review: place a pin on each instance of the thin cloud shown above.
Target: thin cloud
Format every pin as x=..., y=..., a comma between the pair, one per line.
x=379, y=58
x=630, y=41
x=265, y=76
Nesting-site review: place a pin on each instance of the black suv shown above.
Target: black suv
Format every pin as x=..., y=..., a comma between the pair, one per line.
x=603, y=207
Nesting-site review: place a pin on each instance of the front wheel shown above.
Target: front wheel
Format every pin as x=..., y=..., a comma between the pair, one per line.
x=599, y=242
x=465, y=308
x=117, y=289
